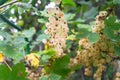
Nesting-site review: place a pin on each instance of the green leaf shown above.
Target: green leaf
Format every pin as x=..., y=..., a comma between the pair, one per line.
x=111, y=26
x=83, y=30
x=90, y=14
x=68, y=43
x=3, y=1
x=20, y=10
x=47, y=54
x=71, y=37
x=19, y=42
x=60, y=66
x=116, y=1
x=43, y=13
x=42, y=20
x=17, y=73
x=8, y=49
x=110, y=21
x=110, y=70
x=117, y=50
x=43, y=78
x=86, y=26
x=69, y=16
x=68, y=2
x=93, y=37
x=2, y=24
x=83, y=33
x=76, y=67
x=45, y=58
x=85, y=2
x=41, y=37
x=54, y=76
x=5, y=35
x=13, y=48
x=5, y=72
x=28, y=33
x=77, y=21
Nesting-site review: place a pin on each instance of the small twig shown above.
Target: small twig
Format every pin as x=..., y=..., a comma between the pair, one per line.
x=8, y=65
x=12, y=2
x=82, y=74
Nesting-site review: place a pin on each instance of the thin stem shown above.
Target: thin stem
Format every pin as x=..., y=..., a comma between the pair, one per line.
x=82, y=74
x=8, y=65
x=4, y=5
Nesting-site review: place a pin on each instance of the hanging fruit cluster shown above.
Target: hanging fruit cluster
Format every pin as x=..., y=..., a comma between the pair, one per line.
x=95, y=54
x=57, y=28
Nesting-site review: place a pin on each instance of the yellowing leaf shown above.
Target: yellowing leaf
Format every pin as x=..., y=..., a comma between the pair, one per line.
x=47, y=46
x=32, y=59
x=2, y=57
x=71, y=37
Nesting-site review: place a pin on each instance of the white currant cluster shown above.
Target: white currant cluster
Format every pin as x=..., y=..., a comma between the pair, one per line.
x=95, y=54
x=99, y=23
x=57, y=28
